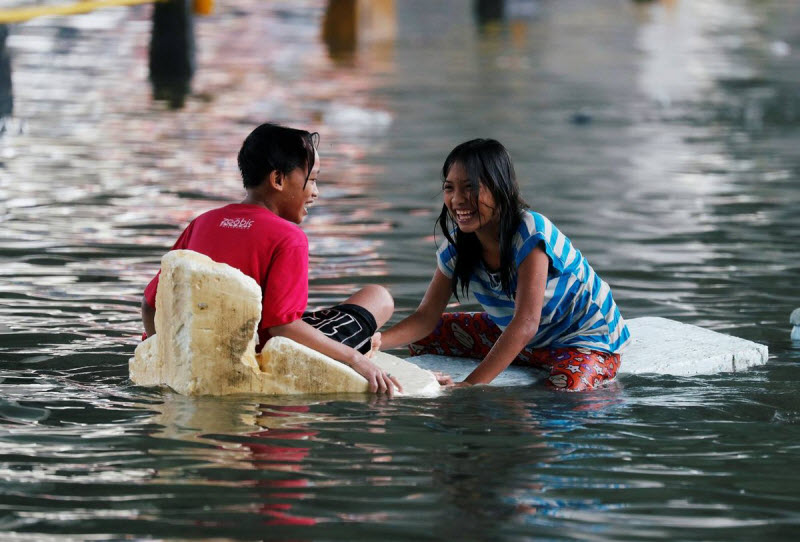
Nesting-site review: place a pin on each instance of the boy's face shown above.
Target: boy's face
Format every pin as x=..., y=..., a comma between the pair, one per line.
x=297, y=198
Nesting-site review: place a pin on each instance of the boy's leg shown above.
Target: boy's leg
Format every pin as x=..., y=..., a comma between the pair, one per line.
x=574, y=369
x=354, y=322
x=460, y=334
x=376, y=299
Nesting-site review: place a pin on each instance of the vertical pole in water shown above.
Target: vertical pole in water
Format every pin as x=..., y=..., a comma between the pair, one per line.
x=351, y=23
x=489, y=11
x=172, y=51
x=339, y=29
x=6, y=95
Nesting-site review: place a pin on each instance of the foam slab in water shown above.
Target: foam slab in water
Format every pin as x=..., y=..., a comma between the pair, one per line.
x=664, y=346
x=459, y=368
x=658, y=346
x=206, y=317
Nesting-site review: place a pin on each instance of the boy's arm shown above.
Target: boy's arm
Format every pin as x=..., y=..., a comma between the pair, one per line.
x=286, y=293
x=148, y=318
x=422, y=321
x=301, y=332
x=531, y=283
x=149, y=311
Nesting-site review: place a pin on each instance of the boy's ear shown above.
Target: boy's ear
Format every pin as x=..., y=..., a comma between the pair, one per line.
x=275, y=180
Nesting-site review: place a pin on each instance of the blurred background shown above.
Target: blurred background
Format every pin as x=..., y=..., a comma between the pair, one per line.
x=661, y=136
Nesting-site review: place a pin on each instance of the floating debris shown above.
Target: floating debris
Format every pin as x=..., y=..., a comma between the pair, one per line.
x=794, y=319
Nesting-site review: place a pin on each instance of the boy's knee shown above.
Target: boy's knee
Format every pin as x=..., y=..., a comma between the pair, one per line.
x=387, y=301
x=383, y=302
x=377, y=300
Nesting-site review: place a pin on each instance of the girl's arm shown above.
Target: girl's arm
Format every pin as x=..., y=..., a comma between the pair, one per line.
x=531, y=283
x=424, y=319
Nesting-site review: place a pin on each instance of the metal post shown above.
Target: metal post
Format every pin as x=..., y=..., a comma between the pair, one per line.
x=172, y=51
x=6, y=95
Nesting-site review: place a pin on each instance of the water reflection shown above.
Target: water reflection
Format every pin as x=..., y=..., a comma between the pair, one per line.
x=477, y=480
x=705, y=170
x=468, y=451
x=119, y=152
x=486, y=481
x=282, y=445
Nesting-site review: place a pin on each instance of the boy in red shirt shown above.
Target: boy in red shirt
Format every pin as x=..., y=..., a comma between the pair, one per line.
x=260, y=236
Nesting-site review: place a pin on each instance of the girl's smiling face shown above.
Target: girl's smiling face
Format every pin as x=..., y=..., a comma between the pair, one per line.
x=471, y=212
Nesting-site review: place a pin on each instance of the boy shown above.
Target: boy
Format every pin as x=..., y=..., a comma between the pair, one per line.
x=260, y=236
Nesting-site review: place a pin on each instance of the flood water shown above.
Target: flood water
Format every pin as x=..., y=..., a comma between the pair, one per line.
x=662, y=137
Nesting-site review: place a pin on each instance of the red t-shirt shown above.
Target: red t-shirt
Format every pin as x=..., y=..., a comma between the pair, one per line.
x=262, y=245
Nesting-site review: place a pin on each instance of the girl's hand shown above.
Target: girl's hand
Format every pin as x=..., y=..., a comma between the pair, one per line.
x=376, y=345
x=379, y=381
x=463, y=384
x=443, y=379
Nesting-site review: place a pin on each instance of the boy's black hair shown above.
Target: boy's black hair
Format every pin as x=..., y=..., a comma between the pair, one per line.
x=486, y=162
x=272, y=147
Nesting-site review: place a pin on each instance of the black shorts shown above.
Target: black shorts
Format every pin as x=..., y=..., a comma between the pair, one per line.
x=351, y=325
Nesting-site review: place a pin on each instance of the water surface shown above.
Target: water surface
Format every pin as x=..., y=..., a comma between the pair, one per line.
x=661, y=137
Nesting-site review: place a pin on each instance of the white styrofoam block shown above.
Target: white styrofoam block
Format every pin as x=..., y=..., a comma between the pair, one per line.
x=416, y=381
x=459, y=369
x=664, y=346
x=206, y=318
x=291, y=368
x=658, y=346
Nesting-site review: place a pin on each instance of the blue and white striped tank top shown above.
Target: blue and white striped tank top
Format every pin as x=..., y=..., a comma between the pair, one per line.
x=578, y=309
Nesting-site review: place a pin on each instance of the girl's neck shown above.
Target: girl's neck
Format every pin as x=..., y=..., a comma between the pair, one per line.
x=489, y=236
x=490, y=247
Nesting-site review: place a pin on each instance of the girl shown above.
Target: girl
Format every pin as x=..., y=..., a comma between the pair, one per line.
x=544, y=305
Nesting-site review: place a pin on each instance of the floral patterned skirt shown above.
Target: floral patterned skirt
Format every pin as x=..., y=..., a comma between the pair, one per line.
x=472, y=335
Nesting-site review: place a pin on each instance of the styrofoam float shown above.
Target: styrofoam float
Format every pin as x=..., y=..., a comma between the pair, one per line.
x=658, y=346
x=206, y=318
x=665, y=346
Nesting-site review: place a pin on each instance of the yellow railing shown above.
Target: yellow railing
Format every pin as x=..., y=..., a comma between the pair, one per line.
x=22, y=14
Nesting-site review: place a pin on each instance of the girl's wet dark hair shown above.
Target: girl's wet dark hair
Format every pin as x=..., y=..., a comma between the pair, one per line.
x=272, y=147
x=486, y=162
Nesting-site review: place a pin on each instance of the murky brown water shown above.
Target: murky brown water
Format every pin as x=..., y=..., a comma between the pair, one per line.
x=661, y=137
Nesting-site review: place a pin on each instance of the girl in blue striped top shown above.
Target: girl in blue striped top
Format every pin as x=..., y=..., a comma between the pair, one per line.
x=544, y=304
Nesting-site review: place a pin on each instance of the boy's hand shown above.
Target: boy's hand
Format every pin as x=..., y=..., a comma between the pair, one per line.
x=379, y=381
x=376, y=345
